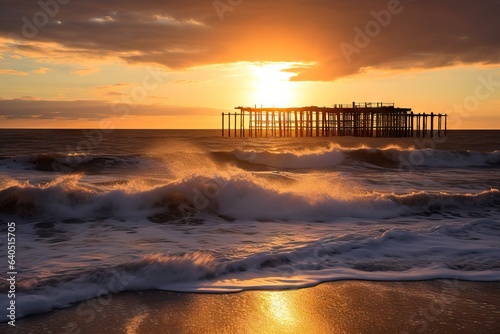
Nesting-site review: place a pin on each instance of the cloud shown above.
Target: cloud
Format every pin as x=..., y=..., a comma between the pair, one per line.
x=183, y=34
x=92, y=110
x=112, y=90
x=184, y=82
x=43, y=70
x=13, y=72
x=105, y=19
x=86, y=71
x=29, y=98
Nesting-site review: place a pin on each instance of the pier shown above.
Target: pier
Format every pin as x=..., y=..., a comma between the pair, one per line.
x=357, y=119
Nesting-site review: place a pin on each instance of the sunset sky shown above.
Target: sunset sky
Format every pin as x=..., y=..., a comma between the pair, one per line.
x=179, y=64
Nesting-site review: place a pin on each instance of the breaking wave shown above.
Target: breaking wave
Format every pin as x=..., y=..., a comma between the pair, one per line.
x=240, y=196
x=69, y=163
x=384, y=157
x=391, y=157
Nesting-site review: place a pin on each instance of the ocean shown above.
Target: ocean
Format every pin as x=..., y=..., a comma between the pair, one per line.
x=130, y=210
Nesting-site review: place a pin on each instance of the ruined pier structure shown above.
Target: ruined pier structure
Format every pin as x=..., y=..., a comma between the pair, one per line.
x=359, y=119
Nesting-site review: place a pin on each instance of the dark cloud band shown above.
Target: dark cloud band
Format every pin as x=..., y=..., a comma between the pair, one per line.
x=187, y=33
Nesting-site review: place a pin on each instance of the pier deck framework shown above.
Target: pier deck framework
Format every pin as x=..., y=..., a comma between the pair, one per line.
x=359, y=119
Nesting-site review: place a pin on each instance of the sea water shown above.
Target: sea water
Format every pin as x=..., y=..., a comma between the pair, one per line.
x=100, y=212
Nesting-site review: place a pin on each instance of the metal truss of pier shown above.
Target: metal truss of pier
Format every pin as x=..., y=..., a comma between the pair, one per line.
x=359, y=120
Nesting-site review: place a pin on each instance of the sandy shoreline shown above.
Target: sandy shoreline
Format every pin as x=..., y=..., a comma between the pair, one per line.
x=444, y=306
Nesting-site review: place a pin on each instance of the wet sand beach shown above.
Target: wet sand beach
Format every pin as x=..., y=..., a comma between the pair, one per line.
x=445, y=306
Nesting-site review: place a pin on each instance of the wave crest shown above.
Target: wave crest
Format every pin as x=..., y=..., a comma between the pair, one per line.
x=234, y=196
x=389, y=157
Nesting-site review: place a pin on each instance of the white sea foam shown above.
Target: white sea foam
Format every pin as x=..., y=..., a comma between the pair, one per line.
x=388, y=157
x=317, y=158
x=295, y=160
x=241, y=195
x=394, y=254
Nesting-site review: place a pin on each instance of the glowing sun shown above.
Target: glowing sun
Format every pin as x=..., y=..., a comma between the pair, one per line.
x=272, y=86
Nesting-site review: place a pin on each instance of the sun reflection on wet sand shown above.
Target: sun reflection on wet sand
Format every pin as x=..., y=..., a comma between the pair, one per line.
x=134, y=323
x=290, y=313
x=280, y=309
x=341, y=307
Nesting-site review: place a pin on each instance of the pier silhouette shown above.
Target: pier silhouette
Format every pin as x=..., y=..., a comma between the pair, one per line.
x=365, y=119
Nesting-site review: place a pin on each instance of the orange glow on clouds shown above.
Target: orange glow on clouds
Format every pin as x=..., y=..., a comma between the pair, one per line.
x=270, y=53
